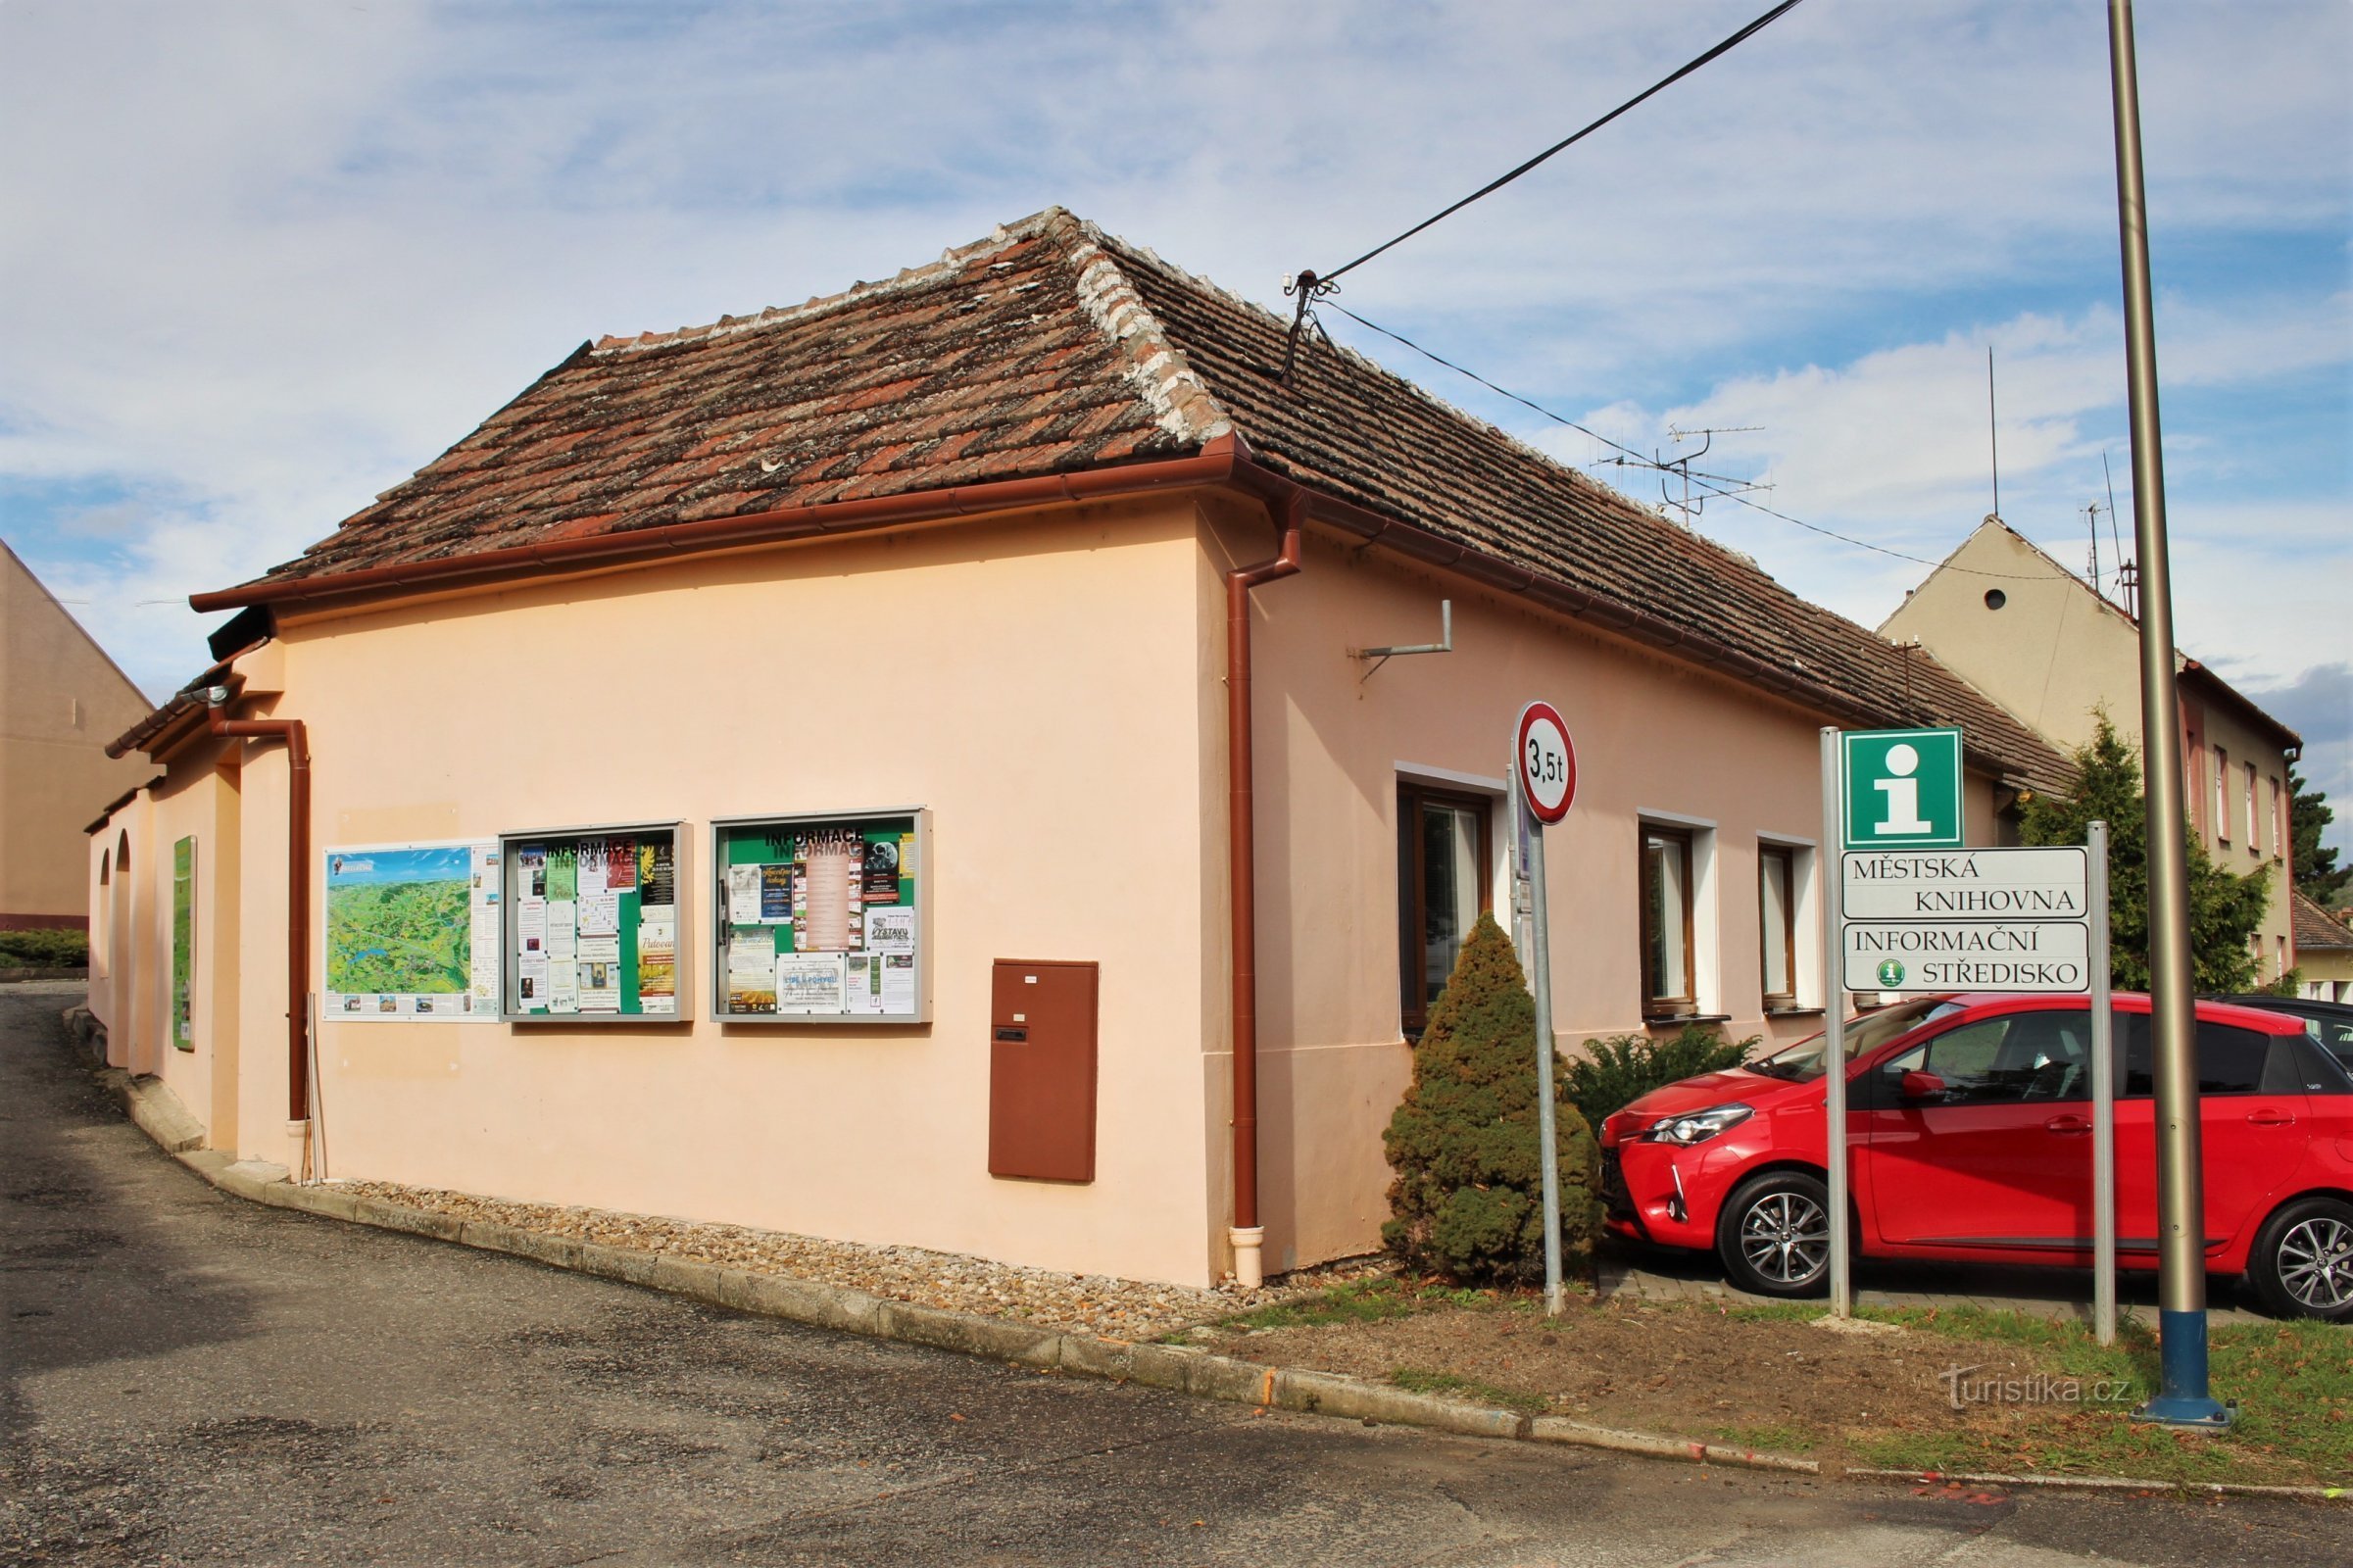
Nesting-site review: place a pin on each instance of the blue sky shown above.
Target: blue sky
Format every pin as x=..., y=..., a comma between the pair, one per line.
x=261, y=261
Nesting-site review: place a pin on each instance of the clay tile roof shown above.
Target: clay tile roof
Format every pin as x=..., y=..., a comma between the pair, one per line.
x=2315, y=928
x=1052, y=347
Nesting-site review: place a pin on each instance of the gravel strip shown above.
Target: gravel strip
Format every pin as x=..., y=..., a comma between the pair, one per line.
x=1087, y=1304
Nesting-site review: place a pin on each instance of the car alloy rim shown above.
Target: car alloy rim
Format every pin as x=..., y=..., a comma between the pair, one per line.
x=2316, y=1263
x=1785, y=1236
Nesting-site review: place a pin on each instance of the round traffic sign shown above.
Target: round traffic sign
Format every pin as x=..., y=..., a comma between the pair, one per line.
x=1548, y=762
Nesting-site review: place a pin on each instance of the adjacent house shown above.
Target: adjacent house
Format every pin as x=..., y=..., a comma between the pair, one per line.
x=906, y=768
x=62, y=698
x=2323, y=949
x=2038, y=639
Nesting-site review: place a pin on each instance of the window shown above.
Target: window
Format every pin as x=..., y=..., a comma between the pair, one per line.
x=2222, y=796
x=1995, y=1061
x=2254, y=839
x=1777, y=922
x=2279, y=824
x=1444, y=882
x=1669, y=985
x=2229, y=1061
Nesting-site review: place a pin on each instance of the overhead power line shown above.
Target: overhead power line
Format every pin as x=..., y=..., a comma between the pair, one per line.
x=1700, y=480
x=1498, y=183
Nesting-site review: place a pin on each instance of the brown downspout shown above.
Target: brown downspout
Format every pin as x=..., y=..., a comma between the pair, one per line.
x=1247, y=1235
x=298, y=907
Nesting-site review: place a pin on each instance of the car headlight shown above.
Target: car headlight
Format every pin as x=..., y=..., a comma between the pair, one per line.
x=1699, y=1126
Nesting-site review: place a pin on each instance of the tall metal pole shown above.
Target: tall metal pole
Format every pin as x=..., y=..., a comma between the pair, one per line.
x=1547, y=1134
x=2103, y=1097
x=2183, y=1398
x=1834, y=1034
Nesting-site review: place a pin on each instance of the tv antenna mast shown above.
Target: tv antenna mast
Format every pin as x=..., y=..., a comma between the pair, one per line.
x=1691, y=506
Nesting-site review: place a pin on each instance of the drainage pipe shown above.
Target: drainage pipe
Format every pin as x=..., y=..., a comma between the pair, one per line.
x=1248, y=1236
x=298, y=904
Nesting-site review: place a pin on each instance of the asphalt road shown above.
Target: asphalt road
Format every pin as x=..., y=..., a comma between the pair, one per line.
x=190, y=1379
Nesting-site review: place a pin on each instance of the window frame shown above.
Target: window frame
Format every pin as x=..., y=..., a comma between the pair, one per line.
x=2279, y=824
x=2254, y=830
x=1654, y=1006
x=1784, y=856
x=1413, y=1009
x=2221, y=795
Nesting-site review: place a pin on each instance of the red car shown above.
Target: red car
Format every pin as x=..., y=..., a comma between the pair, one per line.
x=1969, y=1121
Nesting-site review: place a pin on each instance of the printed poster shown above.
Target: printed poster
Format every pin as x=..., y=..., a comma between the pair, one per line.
x=411, y=932
x=882, y=871
x=891, y=930
x=776, y=894
x=657, y=874
x=751, y=970
x=658, y=960
x=743, y=895
x=808, y=982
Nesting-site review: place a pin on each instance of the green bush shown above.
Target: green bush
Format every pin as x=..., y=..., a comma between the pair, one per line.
x=1468, y=1197
x=1625, y=1067
x=43, y=949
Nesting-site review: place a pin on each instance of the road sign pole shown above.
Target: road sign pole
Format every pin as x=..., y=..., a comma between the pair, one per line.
x=1833, y=1038
x=2103, y=1098
x=1548, y=1133
x=1543, y=785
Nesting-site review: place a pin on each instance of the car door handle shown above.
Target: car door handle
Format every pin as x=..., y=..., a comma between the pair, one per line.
x=2268, y=1117
x=2068, y=1124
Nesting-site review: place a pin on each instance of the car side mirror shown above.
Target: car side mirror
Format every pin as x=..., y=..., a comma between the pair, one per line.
x=1920, y=1085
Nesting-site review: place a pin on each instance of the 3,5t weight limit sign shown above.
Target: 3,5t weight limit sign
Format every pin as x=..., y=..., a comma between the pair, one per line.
x=1548, y=762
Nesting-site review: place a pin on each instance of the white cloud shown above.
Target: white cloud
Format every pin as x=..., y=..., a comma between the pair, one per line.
x=265, y=258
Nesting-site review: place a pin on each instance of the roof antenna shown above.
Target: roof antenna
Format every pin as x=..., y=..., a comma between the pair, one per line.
x=1309, y=288
x=2126, y=578
x=1994, y=437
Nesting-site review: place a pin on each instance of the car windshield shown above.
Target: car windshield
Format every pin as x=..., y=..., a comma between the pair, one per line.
x=1868, y=1032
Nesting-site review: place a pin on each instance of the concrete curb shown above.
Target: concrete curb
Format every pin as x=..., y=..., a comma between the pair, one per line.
x=1178, y=1368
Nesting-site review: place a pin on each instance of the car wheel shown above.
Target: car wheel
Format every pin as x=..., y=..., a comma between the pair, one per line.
x=2302, y=1262
x=1774, y=1235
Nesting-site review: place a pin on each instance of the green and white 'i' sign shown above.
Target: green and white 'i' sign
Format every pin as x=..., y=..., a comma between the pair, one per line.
x=1900, y=789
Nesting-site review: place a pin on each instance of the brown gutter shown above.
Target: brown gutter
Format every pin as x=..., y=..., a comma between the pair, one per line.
x=298, y=894
x=1242, y=860
x=1214, y=466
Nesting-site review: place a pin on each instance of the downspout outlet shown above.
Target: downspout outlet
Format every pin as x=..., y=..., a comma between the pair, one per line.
x=1249, y=1242
x=298, y=1152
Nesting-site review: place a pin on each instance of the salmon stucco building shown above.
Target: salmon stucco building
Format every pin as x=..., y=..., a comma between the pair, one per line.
x=61, y=700
x=904, y=768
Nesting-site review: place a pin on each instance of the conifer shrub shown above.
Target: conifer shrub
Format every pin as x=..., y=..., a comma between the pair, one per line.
x=1619, y=1069
x=1468, y=1198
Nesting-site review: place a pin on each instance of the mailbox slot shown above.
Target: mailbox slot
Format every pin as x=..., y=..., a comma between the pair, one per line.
x=1041, y=1070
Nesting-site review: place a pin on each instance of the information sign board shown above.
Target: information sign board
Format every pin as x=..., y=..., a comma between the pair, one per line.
x=2047, y=956
x=1900, y=789
x=2015, y=884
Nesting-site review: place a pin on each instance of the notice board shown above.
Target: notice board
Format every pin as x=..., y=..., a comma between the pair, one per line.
x=593, y=930
x=822, y=918
x=410, y=932
x=183, y=943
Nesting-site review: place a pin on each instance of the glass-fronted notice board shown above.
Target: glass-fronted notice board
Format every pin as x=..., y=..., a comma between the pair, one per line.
x=593, y=929
x=822, y=918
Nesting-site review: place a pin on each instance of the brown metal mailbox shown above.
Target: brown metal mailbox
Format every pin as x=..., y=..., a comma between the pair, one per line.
x=1041, y=1070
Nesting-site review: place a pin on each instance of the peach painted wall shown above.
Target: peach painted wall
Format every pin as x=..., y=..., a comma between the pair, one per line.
x=1034, y=684
x=1654, y=739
